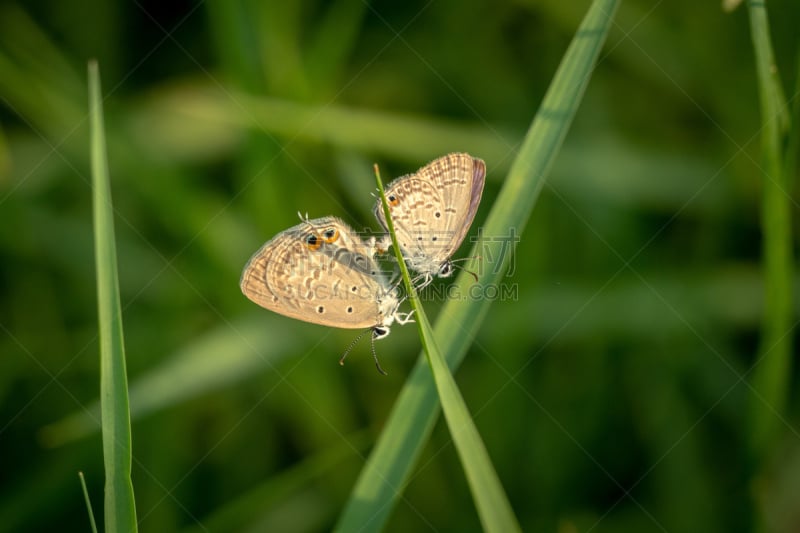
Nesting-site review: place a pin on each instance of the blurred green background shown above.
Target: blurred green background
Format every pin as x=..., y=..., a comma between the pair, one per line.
x=611, y=393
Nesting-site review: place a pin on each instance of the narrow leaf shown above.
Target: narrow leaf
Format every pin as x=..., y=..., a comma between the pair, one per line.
x=88, y=501
x=772, y=368
x=120, y=512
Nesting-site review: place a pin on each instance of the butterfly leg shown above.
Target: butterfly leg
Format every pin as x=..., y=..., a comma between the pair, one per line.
x=404, y=318
x=427, y=279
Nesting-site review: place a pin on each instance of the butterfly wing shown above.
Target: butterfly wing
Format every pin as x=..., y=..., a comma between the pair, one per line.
x=460, y=178
x=433, y=209
x=416, y=208
x=321, y=272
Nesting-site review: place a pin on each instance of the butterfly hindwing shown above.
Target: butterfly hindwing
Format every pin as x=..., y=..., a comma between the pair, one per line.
x=433, y=209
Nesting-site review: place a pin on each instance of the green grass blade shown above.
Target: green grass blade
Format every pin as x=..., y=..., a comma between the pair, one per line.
x=490, y=499
x=89, y=510
x=120, y=511
x=388, y=469
x=772, y=371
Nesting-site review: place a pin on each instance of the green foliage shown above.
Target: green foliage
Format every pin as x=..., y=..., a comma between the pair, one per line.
x=610, y=384
x=120, y=506
x=775, y=351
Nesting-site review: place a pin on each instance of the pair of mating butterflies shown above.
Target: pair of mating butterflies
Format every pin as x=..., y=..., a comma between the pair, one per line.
x=321, y=271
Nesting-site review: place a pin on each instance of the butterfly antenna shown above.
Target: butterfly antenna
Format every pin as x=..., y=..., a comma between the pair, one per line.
x=352, y=345
x=470, y=272
x=375, y=356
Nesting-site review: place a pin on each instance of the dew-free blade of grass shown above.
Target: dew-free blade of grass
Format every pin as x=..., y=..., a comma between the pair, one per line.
x=120, y=511
x=88, y=503
x=490, y=499
x=388, y=468
x=772, y=371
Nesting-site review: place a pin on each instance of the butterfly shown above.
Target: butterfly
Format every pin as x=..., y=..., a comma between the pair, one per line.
x=321, y=271
x=432, y=211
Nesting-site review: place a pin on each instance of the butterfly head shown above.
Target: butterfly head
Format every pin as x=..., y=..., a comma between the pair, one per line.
x=446, y=269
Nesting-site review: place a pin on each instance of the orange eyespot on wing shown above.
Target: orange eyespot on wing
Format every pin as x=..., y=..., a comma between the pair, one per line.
x=330, y=235
x=313, y=242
